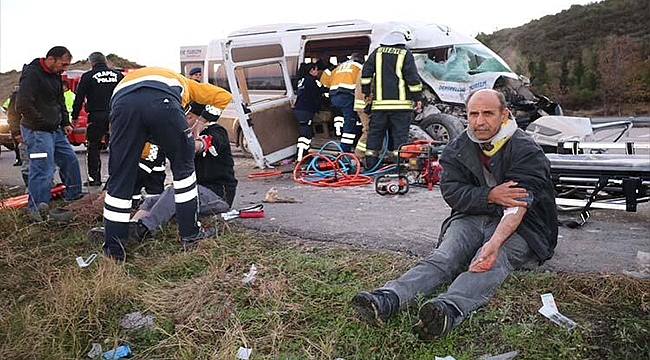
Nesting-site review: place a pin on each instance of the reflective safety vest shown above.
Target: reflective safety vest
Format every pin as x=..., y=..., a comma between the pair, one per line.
x=344, y=77
x=69, y=100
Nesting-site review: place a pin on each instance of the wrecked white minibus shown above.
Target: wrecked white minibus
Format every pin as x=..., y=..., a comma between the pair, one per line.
x=259, y=66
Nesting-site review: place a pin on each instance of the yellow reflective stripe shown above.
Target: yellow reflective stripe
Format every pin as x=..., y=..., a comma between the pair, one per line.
x=366, y=81
x=392, y=107
x=415, y=88
x=378, y=76
x=359, y=104
x=186, y=196
x=392, y=102
x=361, y=146
x=401, y=85
x=117, y=202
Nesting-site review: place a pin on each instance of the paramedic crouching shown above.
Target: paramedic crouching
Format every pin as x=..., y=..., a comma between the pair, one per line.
x=148, y=103
x=497, y=181
x=215, y=176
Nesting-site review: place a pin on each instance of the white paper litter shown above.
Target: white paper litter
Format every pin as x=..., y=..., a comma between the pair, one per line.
x=250, y=275
x=244, y=353
x=550, y=311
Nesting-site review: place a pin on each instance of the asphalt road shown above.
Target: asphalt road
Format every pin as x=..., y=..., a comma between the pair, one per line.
x=357, y=216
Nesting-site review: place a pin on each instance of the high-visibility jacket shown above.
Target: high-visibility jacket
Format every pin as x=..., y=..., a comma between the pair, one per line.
x=344, y=77
x=396, y=80
x=176, y=85
x=69, y=97
x=326, y=78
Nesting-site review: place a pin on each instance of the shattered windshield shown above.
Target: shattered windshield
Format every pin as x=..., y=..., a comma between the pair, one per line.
x=457, y=63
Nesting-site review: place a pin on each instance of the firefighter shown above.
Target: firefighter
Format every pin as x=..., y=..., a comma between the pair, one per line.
x=396, y=87
x=343, y=83
x=148, y=103
x=307, y=105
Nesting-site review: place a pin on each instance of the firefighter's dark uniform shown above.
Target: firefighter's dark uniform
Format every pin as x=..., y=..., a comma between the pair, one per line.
x=148, y=104
x=96, y=88
x=396, y=86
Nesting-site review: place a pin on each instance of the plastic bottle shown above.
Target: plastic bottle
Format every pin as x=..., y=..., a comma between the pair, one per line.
x=117, y=353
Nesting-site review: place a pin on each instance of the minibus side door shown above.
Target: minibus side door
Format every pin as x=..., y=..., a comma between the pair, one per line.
x=259, y=80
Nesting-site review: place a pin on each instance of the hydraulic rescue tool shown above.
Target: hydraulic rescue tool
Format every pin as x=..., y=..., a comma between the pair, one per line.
x=417, y=165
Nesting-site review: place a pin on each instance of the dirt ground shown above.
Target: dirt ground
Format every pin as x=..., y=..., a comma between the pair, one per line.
x=357, y=216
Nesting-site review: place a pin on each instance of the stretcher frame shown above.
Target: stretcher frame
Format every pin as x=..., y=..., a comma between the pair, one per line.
x=599, y=180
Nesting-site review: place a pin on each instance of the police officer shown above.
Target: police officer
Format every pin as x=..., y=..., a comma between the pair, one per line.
x=148, y=104
x=396, y=87
x=96, y=87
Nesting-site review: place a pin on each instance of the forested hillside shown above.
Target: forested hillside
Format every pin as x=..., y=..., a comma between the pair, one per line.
x=593, y=58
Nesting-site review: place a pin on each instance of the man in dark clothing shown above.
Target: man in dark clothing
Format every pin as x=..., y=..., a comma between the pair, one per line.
x=215, y=177
x=397, y=88
x=497, y=181
x=44, y=126
x=308, y=101
x=96, y=88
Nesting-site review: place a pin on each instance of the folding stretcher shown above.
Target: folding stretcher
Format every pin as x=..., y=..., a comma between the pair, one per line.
x=605, y=181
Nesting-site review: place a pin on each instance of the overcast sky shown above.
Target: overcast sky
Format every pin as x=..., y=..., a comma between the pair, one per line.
x=151, y=32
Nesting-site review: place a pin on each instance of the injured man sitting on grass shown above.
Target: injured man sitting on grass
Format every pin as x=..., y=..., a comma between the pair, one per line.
x=216, y=180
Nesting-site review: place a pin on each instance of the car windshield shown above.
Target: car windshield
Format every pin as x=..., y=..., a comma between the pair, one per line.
x=457, y=63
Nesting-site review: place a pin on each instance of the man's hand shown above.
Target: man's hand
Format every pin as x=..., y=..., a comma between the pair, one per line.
x=67, y=130
x=207, y=146
x=18, y=138
x=418, y=106
x=486, y=258
x=507, y=194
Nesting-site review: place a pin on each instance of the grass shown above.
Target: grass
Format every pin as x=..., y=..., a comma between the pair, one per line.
x=296, y=308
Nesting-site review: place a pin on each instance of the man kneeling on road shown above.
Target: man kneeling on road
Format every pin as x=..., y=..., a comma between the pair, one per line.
x=217, y=185
x=497, y=181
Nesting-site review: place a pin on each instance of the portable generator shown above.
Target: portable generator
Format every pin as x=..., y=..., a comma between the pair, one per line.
x=417, y=165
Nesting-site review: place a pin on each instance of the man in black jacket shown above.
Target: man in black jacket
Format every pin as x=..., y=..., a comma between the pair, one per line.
x=96, y=88
x=497, y=181
x=44, y=126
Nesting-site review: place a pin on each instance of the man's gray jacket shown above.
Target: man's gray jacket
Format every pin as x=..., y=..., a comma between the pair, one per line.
x=464, y=187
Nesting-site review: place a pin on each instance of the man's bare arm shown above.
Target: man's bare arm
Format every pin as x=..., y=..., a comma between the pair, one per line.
x=509, y=223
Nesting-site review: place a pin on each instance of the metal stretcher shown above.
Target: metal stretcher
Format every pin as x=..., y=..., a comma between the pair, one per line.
x=605, y=181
